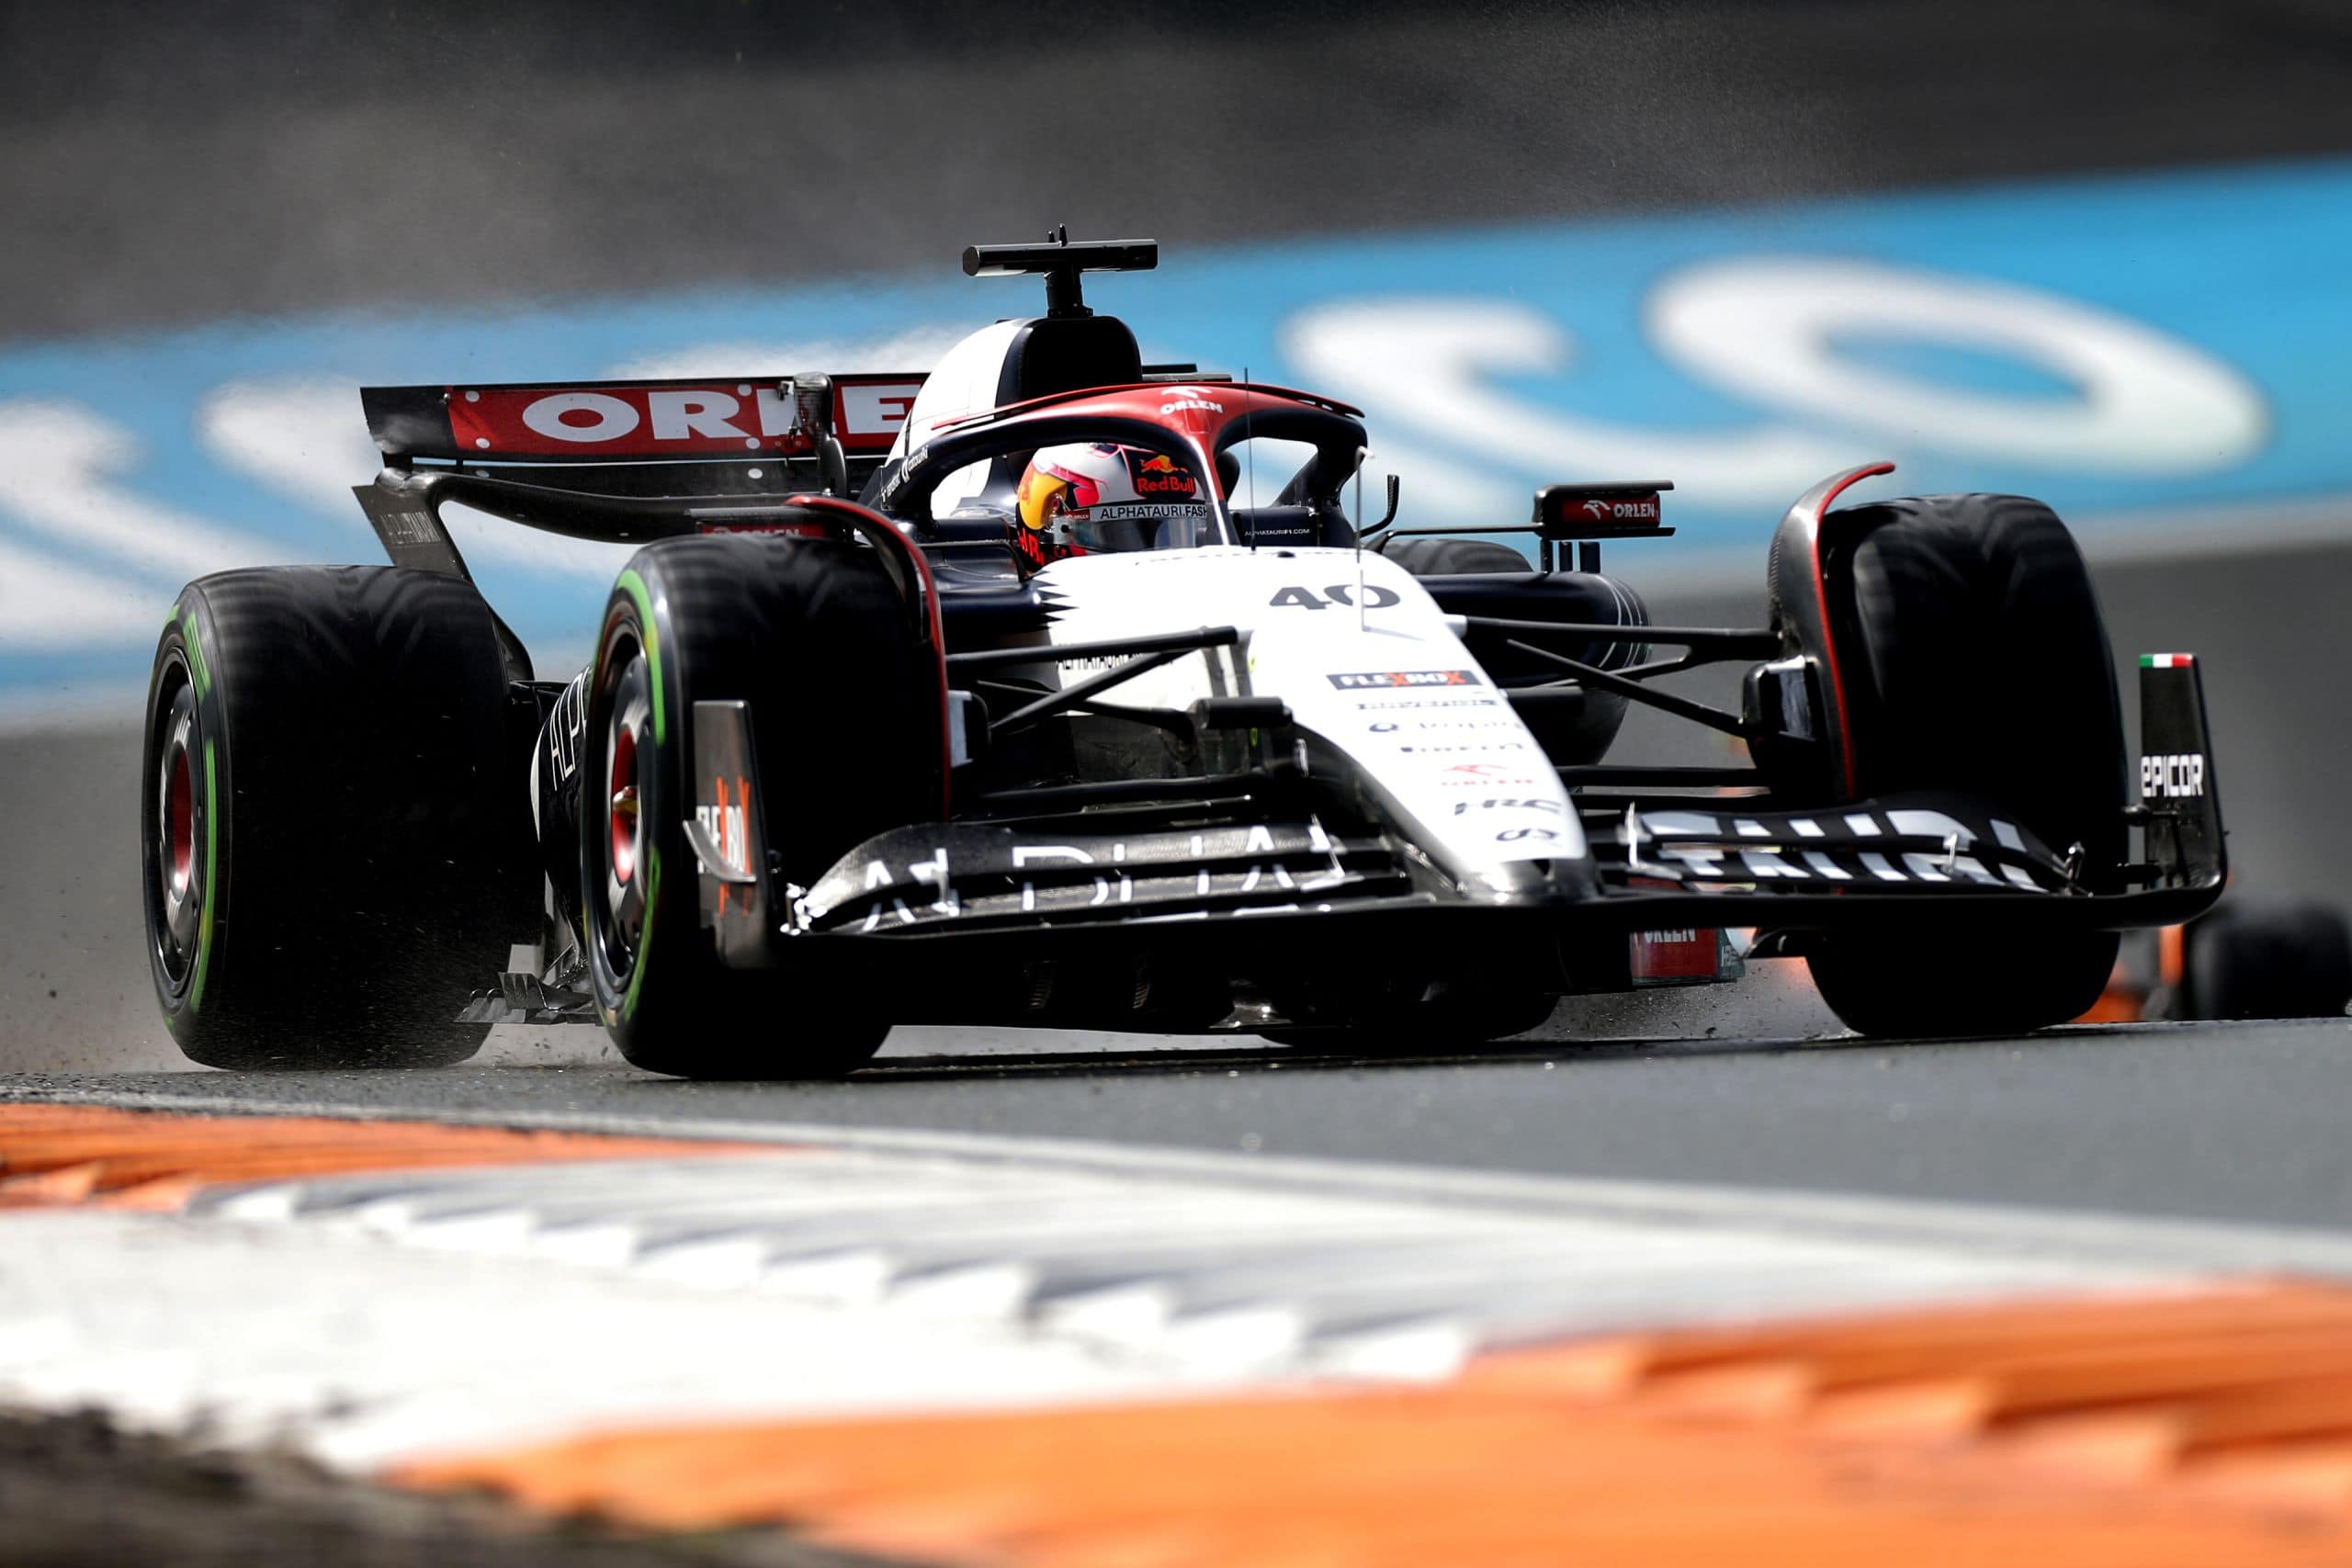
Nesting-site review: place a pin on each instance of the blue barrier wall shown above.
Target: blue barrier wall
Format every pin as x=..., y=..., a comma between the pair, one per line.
x=2160, y=357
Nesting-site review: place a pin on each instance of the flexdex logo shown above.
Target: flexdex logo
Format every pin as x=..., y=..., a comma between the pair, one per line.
x=1361, y=680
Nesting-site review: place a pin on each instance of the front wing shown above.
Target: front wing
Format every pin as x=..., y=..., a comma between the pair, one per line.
x=1936, y=863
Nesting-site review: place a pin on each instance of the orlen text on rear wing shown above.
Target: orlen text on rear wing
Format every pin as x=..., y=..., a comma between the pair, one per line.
x=740, y=422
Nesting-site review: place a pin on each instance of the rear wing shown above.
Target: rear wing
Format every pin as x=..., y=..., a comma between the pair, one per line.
x=619, y=462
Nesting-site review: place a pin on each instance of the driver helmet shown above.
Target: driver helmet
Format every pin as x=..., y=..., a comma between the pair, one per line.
x=1101, y=497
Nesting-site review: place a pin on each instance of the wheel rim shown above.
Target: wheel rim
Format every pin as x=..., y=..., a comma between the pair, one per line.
x=179, y=869
x=628, y=751
x=621, y=794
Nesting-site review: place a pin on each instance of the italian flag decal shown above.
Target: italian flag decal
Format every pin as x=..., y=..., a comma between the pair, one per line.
x=2167, y=660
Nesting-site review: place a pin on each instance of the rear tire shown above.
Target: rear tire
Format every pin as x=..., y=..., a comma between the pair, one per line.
x=1582, y=727
x=845, y=718
x=329, y=818
x=1454, y=558
x=1975, y=660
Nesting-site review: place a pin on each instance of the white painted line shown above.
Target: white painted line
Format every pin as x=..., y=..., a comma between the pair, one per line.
x=2063, y=1234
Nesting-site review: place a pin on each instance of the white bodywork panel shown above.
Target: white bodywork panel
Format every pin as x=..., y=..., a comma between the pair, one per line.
x=964, y=382
x=1367, y=661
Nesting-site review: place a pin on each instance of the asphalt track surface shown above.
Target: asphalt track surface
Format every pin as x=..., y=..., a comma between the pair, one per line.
x=190, y=190
x=2236, y=1122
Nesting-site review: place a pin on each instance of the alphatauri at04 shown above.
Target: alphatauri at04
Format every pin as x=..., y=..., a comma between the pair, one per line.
x=857, y=748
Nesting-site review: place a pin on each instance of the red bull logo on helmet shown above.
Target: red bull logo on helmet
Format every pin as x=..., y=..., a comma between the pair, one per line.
x=1159, y=475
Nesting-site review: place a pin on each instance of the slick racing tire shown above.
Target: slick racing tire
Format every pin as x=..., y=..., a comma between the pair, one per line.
x=328, y=820
x=1975, y=661
x=809, y=634
x=1454, y=558
x=2267, y=958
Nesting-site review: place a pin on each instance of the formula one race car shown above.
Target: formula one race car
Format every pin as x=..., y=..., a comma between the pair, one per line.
x=999, y=695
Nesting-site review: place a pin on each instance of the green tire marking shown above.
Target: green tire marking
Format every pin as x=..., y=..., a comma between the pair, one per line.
x=645, y=932
x=212, y=865
x=633, y=586
x=197, y=670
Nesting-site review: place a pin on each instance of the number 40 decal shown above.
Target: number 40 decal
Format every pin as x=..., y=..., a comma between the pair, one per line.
x=1375, y=597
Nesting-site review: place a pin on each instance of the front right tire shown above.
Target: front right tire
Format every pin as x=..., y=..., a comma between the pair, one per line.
x=1976, y=661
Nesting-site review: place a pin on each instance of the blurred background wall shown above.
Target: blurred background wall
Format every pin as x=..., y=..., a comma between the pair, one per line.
x=2092, y=251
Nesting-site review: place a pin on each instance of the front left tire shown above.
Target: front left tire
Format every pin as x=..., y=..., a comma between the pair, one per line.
x=811, y=634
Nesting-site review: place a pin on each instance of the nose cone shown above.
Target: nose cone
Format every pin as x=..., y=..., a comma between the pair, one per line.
x=1565, y=880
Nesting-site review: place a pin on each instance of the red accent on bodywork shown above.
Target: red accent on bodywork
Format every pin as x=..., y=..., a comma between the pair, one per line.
x=1197, y=417
x=1141, y=400
x=1837, y=488
x=885, y=534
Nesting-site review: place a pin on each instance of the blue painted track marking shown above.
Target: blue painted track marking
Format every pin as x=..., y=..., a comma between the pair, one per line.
x=2119, y=346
